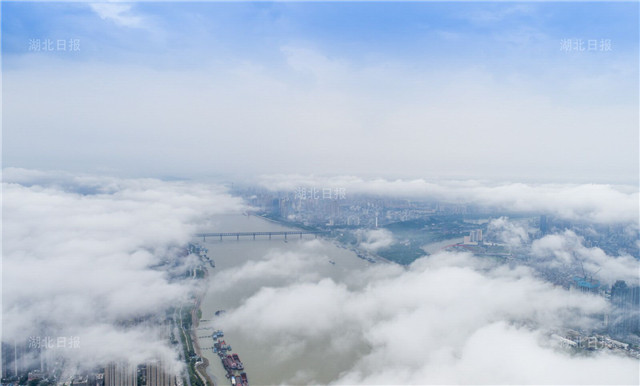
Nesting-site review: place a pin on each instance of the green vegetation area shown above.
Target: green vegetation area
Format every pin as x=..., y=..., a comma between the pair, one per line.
x=410, y=236
x=399, y=253
x=187, y=348
x=433, y=228
x=347, y=237
x=402, y=254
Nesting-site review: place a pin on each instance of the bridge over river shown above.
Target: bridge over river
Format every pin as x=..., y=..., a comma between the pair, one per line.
x=253, y=235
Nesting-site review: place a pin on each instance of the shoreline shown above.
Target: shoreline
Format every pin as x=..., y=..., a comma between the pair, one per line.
x=201, y=368
x=332, y=240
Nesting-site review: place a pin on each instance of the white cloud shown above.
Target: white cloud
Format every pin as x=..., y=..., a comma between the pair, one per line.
x=506, y=231
x=384, y=117
x=84, y=256
x=501, y=354
x=496, y=14
x=567, y=249
x=276, y=266
x=598, y=203
x=121, y=14
x=375, y=239
x=447, y=319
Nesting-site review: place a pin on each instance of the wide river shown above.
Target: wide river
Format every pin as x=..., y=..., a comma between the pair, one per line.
x=262, y=364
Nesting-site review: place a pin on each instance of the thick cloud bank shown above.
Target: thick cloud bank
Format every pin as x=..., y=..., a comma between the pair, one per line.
x=446, y=319
x=596, y=203
x=99, y=259
x=567, y=250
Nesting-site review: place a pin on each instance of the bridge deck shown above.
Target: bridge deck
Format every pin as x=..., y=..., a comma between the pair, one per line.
x=254, y=234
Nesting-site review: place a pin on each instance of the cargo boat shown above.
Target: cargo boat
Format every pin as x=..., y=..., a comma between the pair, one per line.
x=229, y=363
x=245, y=381
x=236, y=359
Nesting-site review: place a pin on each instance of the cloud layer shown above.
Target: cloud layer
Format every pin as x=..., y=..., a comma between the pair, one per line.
x=446, y=319
x=100, y=259
x=382, y=115
x=598, y=203
x=567, y=249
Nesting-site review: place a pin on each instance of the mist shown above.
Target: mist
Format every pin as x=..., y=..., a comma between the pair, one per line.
x=448, y=318
x=85, y=257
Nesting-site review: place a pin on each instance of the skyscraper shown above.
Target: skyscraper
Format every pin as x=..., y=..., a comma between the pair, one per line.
x=158, y=376
x=625, y=317
x=544, y=225
x=120, y=374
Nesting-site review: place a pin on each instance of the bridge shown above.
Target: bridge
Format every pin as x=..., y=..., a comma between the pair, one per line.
x=237, y=235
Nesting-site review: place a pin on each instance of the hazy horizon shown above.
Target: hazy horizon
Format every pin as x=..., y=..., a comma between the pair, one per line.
x=412, y=90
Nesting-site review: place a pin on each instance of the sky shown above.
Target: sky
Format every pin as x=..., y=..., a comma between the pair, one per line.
x=411, y=90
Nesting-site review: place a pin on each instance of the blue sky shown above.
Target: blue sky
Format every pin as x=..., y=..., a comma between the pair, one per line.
x=360, y=67
x=418, y=32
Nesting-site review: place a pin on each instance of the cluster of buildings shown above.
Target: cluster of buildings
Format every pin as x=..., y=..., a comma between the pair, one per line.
x=576, y=341
x=42, y=360
x=344, y=210
x=614, y=239
x=21, y=365
x=474, y=238
x=150, y=374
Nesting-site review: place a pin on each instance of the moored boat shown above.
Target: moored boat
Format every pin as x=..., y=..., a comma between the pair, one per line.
x=237, y=361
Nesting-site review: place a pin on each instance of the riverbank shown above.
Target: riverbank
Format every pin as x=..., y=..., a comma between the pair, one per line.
x=201, y=368
x=437, y=246
x=333, y=240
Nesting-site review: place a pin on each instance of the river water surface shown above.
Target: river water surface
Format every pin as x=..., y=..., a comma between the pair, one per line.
x=264, y=362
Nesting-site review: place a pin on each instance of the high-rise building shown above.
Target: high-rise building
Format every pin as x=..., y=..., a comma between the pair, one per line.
x=120, y=374
x=17, y=359
x=625, y=317
x=474, y=237
x=158, y=376
x=544, y=225
x=7, y=360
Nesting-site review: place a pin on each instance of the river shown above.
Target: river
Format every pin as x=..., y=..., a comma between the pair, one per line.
x=260, y=364
x=263, y=363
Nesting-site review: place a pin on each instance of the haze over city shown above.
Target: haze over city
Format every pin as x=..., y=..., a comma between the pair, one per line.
x=374, y=193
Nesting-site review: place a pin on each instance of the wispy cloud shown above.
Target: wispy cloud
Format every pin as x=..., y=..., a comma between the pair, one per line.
x=121, y=14
x=494, y=13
